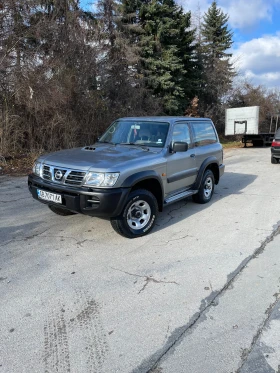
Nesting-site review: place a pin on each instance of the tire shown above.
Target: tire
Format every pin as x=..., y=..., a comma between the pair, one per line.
x=274, y=160
x=206, y=189
x=138, y=216
x=60, y=211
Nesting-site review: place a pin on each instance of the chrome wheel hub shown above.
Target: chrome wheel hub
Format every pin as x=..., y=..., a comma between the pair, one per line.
x=138, y=214
x=208, y=187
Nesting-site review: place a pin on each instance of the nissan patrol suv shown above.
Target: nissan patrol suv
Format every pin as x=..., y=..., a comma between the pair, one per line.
x=135, y=169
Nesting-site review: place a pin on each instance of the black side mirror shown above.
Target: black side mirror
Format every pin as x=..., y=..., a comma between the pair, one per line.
x=178, y=147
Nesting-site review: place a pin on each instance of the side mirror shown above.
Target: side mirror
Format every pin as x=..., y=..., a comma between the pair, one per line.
x=178, y=147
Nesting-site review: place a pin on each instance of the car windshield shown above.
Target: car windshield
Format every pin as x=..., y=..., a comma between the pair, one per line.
x=136, y=132
x=277, y=134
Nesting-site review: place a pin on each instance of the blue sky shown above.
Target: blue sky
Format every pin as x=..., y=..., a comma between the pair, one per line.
x=256, y=28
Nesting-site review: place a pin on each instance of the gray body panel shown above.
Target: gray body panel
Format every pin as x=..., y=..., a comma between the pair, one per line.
x=102, y=157
x=181, y=171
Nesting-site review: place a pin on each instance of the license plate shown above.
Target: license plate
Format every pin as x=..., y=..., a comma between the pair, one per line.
x=47, y=196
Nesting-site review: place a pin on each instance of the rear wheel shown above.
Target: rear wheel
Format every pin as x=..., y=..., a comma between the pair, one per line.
x=274, y=160
x=60, y=211
x=138, y=216
x=206, y=188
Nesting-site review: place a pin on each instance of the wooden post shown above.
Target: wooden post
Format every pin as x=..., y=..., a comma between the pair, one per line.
x=270, y=128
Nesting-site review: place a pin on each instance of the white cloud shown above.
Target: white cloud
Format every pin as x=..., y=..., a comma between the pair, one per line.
x=243, y=14
x=268, y=80
x=259, y=60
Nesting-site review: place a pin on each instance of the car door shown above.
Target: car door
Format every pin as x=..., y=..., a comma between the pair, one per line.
x=181, y=166
x=205, y=141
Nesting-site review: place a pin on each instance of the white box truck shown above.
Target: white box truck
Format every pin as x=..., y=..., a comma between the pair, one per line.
x=245, y=121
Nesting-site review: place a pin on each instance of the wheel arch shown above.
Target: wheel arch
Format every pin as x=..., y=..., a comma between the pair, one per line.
x=209, y=163
x=148, y=180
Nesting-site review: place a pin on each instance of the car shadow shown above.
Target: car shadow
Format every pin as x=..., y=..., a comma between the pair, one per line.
x=231, y=183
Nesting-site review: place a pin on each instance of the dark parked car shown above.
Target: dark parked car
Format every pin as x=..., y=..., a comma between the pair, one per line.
x=275, y=148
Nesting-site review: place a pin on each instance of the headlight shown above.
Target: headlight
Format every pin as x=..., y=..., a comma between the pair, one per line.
x=97, y=179
x=37, y=168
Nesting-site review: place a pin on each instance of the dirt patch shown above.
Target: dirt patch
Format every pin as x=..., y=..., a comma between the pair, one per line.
x=17, y=164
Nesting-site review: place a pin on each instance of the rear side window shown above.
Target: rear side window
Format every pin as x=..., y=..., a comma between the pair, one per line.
x=204, y=133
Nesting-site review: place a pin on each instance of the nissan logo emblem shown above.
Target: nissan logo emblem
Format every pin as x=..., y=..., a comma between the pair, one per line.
x=58, y=175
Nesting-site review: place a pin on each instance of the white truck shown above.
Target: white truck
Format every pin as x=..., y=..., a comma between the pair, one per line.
x=245, y=121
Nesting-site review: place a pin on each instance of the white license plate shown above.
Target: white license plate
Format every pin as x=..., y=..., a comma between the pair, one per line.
x=47, y=196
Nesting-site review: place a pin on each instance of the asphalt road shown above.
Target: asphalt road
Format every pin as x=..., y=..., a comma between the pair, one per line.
x=199, y=294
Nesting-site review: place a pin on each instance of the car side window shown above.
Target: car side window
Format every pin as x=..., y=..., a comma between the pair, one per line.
x=204, y=133
x=181, y=133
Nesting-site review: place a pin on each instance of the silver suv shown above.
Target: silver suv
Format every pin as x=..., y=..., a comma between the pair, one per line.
x=138, y=166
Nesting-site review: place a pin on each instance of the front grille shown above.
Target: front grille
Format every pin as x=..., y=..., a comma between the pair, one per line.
x=47, y=174
x=75, y=178
x=63, y=175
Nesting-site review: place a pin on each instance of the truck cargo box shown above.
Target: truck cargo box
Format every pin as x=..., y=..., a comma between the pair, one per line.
x=244, y=120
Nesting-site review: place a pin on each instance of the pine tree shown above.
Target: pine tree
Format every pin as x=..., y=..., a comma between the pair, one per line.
x=217, y=38
x=121, y=84
x=218, y=71
x=167, y=53
x=160, y=30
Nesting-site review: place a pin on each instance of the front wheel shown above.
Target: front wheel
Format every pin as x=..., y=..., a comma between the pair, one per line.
x=138, y=216
x=206, y=188
x=274, y=160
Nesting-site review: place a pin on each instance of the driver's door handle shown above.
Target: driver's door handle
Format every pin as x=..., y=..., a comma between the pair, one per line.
x=192, y=155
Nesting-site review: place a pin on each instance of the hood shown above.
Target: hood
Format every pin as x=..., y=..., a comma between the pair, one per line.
x=101, y=157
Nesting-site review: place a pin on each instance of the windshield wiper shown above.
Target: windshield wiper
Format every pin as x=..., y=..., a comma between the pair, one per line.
x=142, y=146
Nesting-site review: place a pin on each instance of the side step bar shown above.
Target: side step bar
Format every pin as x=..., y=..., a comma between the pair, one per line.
x=179, y=196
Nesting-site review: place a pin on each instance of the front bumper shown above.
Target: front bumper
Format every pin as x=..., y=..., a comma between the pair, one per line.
x=275, y=152
x=99, y=202
x=221, y=169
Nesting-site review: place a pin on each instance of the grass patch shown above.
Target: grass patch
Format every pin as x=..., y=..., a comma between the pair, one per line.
x=232, y=144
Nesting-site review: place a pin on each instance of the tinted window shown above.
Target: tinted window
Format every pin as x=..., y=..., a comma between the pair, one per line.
x=204, y=133
x=181, y=133
x=277, y=134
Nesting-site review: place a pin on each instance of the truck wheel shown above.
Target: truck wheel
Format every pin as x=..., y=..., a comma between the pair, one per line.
x=60, y=211
x=274, y=160
x=206, y=188
x=138, y=216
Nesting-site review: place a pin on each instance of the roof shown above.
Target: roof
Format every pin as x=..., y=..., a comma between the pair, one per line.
x=170, y=119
